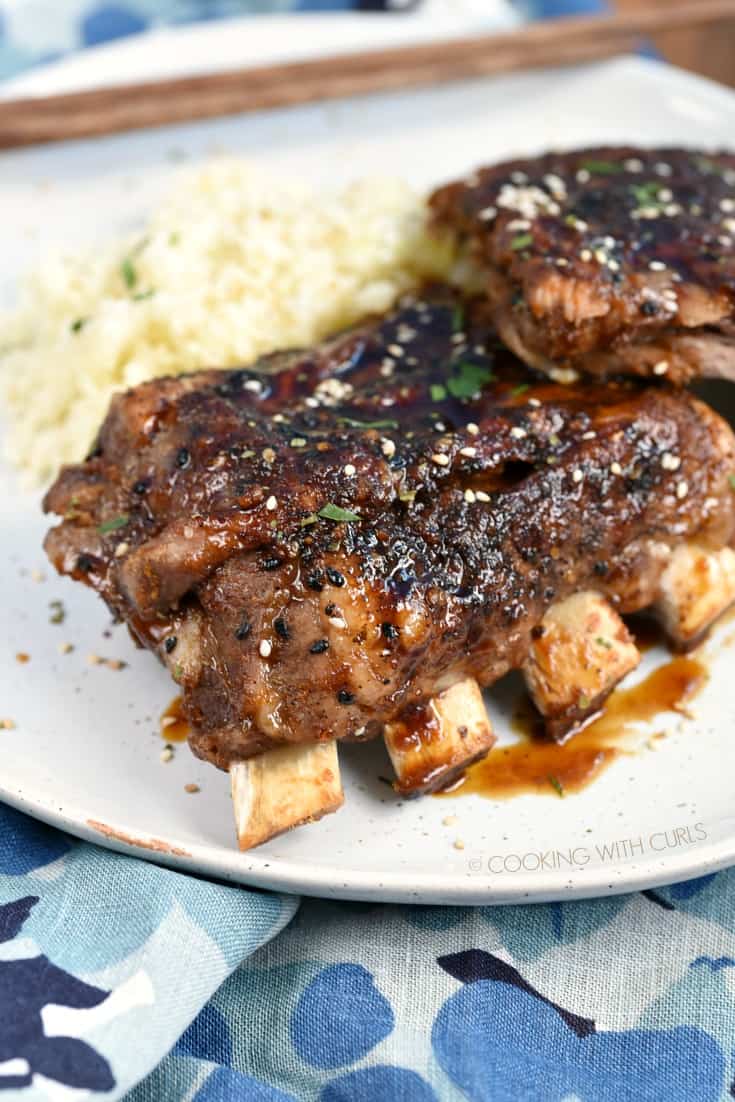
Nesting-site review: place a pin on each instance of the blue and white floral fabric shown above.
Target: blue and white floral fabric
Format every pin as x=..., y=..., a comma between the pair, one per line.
x=112, y=970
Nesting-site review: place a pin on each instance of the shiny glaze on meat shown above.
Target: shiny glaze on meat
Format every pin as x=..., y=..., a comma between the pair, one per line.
x=475, y=495
x=606, y=260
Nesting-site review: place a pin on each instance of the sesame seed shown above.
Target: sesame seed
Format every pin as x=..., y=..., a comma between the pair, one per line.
x=349, y=469
x=661, y=367
x=518, y=433
x=254, y=385
x=585, y=255
x=66, y=648
x=115, y=664
x=710, y=503
x=269, y=455
x=167, y=754
x=458, y=338
x=440, y=459
x=121, y=549
x=561, y=262
x=458, y=843
x=665, y=195
x=473, y=429
x=481, y=495
x=657, y=266
x=264, y=648
x=682, y=489
x=279, y=419
x=633, y=165
x=601, y=256
x=662, y=169
x=591, y=435
x=487, y=214
x=577, y=475
x=615, y=468
x=613, y=265
x=450, y=820
x=583, y=176
x=388, y=448
x=535, y=402
x=192, y=789
x=469, y=452
x=298, y=442
x=395, y=350
x=670, y=462
x=271, y=503
x=94, y=660
x=519, y=177
x=469, y=496
x=337, y=622
x=439, y=426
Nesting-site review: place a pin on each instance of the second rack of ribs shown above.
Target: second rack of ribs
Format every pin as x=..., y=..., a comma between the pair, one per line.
x=321, y=543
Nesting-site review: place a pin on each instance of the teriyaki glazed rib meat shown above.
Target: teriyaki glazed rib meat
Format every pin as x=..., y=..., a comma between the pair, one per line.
x=349, y=542
x=605, y=261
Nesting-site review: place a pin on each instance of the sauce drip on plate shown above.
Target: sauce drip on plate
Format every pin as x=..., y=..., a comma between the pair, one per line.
x=535, y=765
x=174, y=725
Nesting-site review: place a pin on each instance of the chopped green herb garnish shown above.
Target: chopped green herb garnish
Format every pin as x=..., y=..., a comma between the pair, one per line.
x=571, y=219
x=113, y=524
x=58, y=612
x=646, y=194
x=731, y=480
x=602, y=168
x=368, y=424
x=407, y=495
x=178, y=672
x=603, y=642
x=143, y=295
x=335, y=512
x=78, y=324
x=174, y=238
x=306, y=521
x=128, y=273
x=521, y=241
x=457, y=319
x=469, y=380
x=556, y=785
x=520, y=389
x=584, y=701
x=704, y=164
x=438, y=392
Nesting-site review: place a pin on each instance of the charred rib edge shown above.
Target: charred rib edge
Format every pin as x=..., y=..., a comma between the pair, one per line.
x=696, y=587
x=456, y=733
x=582, y=651
x=284, y=788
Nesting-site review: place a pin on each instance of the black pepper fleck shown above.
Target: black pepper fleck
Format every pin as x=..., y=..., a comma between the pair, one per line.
x=244, y=629
x=182, y=457
x=389, y=631
x=316, y=581
x=345, y=697
x=169, y=643
x=282, y=628
x=335, y=577
x=319, y=647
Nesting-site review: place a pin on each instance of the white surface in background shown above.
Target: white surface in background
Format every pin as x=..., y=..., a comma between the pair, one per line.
x=258, y=40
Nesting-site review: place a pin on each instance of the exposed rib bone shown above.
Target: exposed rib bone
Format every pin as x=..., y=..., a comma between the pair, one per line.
x=431, y=746
x=284, y=788
x=696, y=588
x=580, y=653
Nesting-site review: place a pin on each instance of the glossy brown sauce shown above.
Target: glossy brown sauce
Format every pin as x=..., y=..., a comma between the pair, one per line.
x=535, y=765
x=174, y=725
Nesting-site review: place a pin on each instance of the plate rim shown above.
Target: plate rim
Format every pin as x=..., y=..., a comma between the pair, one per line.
x=398, y=886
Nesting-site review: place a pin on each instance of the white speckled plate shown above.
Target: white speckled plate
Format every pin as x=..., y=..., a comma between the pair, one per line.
x=85, y=753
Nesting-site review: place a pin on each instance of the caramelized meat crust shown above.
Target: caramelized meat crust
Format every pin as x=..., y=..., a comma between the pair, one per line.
x=606, y=260
x=322, y=541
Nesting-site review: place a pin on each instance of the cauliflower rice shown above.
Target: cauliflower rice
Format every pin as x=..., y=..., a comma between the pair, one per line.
x=232, y=265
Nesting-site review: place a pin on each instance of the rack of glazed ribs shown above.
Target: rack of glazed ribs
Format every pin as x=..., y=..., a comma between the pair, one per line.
x=351, y=542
